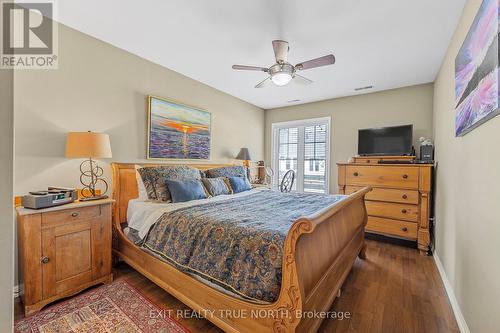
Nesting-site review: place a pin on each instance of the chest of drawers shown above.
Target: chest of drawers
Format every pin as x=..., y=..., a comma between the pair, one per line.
x=399, y=205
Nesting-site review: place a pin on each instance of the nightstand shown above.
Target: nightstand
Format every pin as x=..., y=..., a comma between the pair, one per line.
x=62, y=251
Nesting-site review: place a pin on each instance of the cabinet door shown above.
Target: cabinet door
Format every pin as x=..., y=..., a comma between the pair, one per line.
x=66, y=256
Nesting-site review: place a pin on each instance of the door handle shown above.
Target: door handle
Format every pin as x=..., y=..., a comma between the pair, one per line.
x=44, y=260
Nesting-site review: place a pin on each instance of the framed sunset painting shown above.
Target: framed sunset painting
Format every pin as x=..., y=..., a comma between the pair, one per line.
x=177, y=131
x=476, y=71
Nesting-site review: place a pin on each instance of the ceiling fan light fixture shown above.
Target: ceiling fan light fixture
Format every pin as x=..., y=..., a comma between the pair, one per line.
x=282, y=72
x=281, y=79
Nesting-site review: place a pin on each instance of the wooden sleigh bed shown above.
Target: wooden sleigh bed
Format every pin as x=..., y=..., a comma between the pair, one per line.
x=319, y=252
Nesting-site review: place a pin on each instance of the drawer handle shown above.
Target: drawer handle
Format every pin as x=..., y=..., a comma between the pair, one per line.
x=405, y=229
x=356, y=174
x=75, y=214
x=45, y=260
x=405, y=176
x=405, y=196
x=404, y=211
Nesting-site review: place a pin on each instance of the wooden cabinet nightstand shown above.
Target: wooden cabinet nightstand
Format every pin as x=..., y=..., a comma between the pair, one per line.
x=63, y=250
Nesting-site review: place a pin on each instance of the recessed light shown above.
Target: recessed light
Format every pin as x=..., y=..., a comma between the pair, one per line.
x=294, y=101
x=363, y=88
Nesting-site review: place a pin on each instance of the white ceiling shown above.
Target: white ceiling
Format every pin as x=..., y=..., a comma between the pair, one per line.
x=384, y=43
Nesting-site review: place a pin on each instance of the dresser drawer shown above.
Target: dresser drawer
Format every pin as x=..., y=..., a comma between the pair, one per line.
x=392, y=210
x=68, y=215
x=387, y=194
x=392, y=227
x=389, y=176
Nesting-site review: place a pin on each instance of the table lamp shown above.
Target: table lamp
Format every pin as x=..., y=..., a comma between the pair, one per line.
x=89, y=145
x=244, y=155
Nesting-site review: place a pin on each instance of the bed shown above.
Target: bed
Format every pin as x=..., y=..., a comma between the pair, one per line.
x=316, y=253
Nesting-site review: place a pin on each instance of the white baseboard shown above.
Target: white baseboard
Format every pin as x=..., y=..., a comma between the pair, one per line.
x=462, y=325
x=16, y=291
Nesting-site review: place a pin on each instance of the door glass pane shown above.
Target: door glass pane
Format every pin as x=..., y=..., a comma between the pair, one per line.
x=312, y=155
x=288, y=146
x=315, y=159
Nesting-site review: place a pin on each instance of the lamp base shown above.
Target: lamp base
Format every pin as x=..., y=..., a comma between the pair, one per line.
x=97, y=197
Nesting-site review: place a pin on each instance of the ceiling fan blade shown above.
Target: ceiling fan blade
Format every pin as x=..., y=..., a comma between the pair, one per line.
x=263, y=83
x=250, y=68
x=280, y=48
x=318, y=62
x=301, y=80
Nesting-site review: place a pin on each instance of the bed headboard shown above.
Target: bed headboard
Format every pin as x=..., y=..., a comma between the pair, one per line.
x=125, y=184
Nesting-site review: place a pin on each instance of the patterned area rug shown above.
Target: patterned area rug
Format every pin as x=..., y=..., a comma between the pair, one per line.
x=114, y=308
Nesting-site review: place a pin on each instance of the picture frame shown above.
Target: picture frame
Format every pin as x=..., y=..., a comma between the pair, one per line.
x=177, y=131
x=477, y=83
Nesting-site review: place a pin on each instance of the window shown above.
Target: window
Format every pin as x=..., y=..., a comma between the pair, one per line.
x=302, y=146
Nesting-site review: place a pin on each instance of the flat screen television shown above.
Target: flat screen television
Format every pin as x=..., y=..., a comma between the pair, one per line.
x=395, y=140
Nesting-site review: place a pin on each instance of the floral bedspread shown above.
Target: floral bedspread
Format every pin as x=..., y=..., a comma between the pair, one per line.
x=236, y=243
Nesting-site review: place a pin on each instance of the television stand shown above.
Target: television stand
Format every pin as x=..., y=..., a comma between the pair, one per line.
x=384, y=159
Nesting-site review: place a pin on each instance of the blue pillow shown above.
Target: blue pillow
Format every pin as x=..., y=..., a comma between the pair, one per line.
x=239, y=184
x=185, y=190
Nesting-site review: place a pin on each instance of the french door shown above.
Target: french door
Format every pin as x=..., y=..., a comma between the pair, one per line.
x=302, y=146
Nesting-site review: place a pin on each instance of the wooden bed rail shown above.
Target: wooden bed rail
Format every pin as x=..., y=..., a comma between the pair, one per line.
x=319, y=252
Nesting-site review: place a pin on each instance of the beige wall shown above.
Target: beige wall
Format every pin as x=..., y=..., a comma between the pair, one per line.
x=102, y=88
x=467, y=198
x=410, y=105
x=6, y=195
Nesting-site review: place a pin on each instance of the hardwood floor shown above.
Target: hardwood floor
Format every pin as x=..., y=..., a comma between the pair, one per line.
x=395, y=290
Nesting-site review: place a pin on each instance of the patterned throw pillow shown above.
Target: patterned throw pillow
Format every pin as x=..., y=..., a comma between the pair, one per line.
x=229, y=171
x=154, y=179
x=216, y=186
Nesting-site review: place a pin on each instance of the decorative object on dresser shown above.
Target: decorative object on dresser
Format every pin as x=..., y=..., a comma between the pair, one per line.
x=116, y=307
x=89, y=145
x=399, y=204
x=63, y=250
x=177, y=131
x=426, y=150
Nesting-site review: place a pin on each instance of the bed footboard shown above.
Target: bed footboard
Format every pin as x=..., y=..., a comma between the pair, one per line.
x=319, y=253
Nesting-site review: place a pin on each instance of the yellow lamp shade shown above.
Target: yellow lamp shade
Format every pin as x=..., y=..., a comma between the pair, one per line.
x=87, y=144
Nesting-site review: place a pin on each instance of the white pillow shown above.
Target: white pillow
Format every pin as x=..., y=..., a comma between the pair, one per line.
x=141, y=188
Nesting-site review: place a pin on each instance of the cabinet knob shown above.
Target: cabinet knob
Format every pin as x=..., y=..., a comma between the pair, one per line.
x=45, y=260
x=404, y=211
x=356, y=174
x=405, y=176
x=405, y=229
x=75, y=214
x=405, y=196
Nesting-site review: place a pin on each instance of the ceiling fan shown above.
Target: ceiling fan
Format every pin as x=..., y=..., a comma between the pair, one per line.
x=282, y=72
